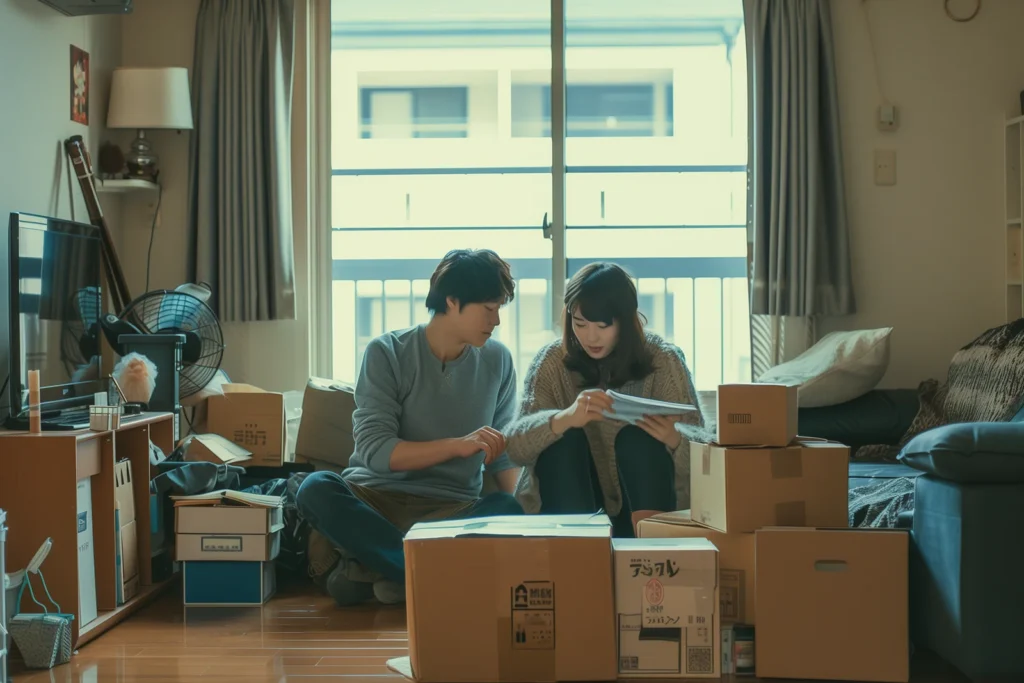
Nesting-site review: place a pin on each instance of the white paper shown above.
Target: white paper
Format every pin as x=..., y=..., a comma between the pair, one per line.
x=631, y=409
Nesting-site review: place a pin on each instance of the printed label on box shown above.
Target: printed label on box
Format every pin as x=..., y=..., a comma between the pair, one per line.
x=731, y=594
x=221, y=544
x=250, y=436
x=533, y=616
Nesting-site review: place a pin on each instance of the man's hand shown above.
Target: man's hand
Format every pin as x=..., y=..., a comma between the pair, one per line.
x=662, y=428
x=485, y=439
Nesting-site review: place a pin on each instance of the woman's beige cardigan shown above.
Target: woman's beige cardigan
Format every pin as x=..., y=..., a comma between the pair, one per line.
x=551, y=387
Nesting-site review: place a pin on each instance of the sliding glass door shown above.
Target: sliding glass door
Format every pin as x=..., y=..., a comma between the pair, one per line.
x=461, y=123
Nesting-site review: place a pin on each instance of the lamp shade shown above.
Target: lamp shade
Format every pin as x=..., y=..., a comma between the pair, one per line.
x=150, y=98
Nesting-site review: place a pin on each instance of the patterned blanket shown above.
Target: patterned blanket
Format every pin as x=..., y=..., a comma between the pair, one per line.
x=880, y=504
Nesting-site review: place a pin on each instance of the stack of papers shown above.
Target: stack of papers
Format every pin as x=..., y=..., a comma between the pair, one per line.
x=228, y=497
x=632, y=409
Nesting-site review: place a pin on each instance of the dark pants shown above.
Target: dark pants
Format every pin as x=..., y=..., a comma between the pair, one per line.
x=568, y=480
x=370, y=524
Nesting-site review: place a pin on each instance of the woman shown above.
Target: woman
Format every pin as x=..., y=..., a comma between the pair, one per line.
x=575, y=458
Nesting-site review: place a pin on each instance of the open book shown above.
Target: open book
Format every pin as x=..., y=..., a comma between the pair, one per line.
x=226, y=497
x=632, y=408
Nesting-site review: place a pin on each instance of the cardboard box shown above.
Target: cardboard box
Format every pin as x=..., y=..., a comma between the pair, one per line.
x=757, y=414
x=227, y=547
x=87, y=607
x=126, y=550
x=666, y=604
x=216, y=449
x=227, y=519
x=252, y=418
x=525, y=598
x=743, y=489
x=736, y=576
x=832, y=604
x=325, y=432
x=222, y=584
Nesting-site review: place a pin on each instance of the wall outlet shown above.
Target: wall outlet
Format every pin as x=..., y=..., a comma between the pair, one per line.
x=885, y=167
x=887, y=118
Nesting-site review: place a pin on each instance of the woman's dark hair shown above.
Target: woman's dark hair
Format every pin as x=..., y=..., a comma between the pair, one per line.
x=605, y=293
x=470, y=276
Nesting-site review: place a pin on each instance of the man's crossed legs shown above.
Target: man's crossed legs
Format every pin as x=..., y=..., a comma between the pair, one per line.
x=368, y=525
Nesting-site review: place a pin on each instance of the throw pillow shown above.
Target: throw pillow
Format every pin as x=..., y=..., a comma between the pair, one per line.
x=970, y=452
x=842, y=366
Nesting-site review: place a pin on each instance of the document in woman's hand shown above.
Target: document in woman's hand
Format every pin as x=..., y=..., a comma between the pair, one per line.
x=632, y=408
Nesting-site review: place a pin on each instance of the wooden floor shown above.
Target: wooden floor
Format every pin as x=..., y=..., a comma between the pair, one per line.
x=298, y=635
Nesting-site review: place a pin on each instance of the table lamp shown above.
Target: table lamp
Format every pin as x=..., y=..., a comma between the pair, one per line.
x=148, y=98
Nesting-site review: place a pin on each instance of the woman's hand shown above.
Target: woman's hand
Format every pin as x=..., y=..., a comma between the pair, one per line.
x=662, y=428
x=588, y=407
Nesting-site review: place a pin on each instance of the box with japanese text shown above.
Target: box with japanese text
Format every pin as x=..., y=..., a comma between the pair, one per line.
x=735, y=561
x=525, y=598
x=666, y=604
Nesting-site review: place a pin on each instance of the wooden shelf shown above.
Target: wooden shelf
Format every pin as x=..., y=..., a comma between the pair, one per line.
x=39, y=477
x=111, y=618
x=125, y=186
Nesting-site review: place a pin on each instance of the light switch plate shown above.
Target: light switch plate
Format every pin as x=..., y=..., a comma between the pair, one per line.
x=885, y=167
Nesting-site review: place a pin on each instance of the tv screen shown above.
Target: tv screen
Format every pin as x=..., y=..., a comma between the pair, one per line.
x=55, y=309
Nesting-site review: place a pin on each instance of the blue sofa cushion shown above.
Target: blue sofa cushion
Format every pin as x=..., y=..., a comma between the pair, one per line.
x=970, y=452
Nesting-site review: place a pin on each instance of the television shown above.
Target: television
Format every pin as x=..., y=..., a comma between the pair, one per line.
x=80, y=8
x=54, y=309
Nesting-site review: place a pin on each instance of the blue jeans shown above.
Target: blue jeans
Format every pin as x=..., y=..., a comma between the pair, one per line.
x=568, y=480
x=369, y=524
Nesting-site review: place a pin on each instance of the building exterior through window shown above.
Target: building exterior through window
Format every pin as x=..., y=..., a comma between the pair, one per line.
x=441, y=139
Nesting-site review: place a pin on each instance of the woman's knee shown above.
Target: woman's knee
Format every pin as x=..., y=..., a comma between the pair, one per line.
x=633, y=439
x=569, y=453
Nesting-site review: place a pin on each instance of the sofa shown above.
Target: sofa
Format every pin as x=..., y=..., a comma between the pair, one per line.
x=953, y=456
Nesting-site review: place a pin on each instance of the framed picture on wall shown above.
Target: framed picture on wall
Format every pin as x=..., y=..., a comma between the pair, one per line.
x=79, y=85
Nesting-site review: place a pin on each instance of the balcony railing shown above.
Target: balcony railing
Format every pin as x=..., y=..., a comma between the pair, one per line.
x=699, y=304
x=691, y=278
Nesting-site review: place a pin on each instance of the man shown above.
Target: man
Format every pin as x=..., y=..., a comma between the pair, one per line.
x=430, y=402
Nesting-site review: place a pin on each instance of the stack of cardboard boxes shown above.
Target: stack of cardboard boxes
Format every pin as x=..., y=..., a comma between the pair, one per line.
x=797, y=586
x=227, y=542
x=763, y=560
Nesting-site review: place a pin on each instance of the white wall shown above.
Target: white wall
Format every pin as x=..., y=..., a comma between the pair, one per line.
x=928, y=252
x=35, y=114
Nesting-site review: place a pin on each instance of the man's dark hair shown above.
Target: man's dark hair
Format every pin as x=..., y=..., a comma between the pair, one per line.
x=470, y=276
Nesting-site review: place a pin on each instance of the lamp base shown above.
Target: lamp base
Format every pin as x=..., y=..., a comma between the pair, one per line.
x=141, y=161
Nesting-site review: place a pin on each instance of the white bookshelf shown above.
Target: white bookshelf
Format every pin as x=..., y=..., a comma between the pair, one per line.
x=1014, y=214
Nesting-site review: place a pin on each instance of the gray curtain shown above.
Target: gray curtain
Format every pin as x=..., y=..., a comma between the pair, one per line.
x=240, y=209
x=800, y=257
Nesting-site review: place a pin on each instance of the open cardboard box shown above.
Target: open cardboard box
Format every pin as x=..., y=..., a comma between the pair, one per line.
x=216, y=449
x=525, y=598
x=251, y=418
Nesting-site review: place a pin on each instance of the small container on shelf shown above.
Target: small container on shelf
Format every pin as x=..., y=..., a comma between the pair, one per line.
x=104, y=418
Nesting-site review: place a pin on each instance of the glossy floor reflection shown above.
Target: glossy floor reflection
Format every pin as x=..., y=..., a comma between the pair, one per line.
x=297, y=636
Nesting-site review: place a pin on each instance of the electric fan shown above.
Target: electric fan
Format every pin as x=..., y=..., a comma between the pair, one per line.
x=175, y=311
